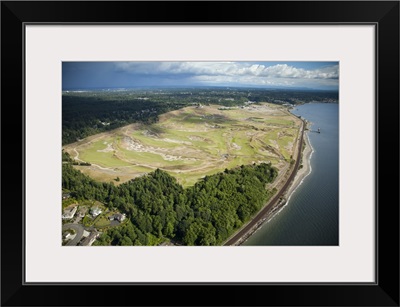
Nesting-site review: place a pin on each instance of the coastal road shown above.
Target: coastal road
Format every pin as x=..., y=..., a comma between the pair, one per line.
x=242, y=232
x=79, y=233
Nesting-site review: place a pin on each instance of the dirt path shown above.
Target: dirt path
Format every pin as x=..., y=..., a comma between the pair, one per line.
x=77, y=155
x=92, y=164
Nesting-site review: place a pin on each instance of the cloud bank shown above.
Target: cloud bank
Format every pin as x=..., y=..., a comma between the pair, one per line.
x=216, y=70
x=313, y=75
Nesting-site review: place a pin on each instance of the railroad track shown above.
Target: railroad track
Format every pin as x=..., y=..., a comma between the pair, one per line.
x=264, y=211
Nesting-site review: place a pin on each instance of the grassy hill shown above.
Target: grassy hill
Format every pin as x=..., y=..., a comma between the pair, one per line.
x=190, y=143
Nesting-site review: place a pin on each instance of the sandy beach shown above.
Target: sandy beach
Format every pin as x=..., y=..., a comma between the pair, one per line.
x=305, y=170
x=274, y=205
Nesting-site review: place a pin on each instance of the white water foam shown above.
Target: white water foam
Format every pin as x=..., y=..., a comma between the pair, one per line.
x=302, y=180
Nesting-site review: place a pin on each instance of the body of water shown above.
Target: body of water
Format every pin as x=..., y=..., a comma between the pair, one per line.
x=311, y=217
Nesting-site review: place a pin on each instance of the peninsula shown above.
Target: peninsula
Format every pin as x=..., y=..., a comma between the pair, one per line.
x=184, y=167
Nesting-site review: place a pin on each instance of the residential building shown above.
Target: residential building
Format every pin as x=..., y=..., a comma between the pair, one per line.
x=118, y=217
x=90, y=239
x=95, y=211
x=69, y=212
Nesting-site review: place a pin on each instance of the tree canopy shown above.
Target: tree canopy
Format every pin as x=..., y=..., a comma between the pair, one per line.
x=159, y=209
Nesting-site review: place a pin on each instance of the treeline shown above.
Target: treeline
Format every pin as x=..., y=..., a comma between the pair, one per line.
x=91, y=112
x=88, y=113
x=66, y=158
x=160, y=209
x=85, y=115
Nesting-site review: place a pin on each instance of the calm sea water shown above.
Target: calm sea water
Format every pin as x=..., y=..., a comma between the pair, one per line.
x=311, y=216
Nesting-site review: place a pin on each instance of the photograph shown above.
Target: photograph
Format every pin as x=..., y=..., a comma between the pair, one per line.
x=200, y=153
x=242, y=149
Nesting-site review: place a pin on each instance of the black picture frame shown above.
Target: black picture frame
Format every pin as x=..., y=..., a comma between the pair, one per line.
x=383, y=14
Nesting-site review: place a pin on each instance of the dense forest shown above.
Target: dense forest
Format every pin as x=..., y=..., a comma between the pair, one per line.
x=160, y=210
x=86, y=113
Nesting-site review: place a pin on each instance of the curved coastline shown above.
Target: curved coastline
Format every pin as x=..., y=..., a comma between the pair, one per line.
x=298, y=180
x=300, y=176
x=305, y=170
x=269, y=210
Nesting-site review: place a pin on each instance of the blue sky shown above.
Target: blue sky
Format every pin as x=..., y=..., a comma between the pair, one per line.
x=312, y=75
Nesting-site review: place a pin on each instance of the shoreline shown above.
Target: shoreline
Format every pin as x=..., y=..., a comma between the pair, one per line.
x=305, y=170
x=301, y=174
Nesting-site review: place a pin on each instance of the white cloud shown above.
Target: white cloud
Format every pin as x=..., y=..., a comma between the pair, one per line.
x=228, y=69
x=235, y=73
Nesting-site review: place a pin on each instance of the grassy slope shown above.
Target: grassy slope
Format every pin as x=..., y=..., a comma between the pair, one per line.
x=191, y=143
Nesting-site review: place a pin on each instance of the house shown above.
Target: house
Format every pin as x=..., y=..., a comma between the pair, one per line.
x=66, y=195
x=117, y=217
x=82, y=211
x=69, y=212
x=95, y=211
x=90, y=239
x=67, y=235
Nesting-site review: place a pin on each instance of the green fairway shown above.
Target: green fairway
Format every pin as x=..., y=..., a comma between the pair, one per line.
x=191, y=143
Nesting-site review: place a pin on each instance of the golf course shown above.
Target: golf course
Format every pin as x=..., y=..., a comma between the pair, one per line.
x=191, y=143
